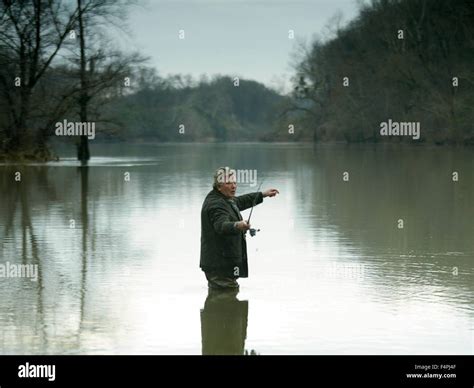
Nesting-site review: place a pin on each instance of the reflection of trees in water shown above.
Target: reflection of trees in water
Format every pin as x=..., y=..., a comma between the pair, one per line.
x=391, y=183
x=84, y=172
x=16, y=195
x=224, y=323
x=35, y=216
x=35, y=189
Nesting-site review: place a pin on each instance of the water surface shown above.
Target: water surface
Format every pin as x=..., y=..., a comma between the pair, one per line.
x=331, y=272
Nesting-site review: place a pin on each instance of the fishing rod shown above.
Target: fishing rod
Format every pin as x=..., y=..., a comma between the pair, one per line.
x=253, y=231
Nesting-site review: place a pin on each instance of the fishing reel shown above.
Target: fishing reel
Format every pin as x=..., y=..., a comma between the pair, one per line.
x=253, y=231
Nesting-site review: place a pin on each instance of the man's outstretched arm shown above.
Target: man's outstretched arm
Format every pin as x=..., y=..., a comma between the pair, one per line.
x=246, y=201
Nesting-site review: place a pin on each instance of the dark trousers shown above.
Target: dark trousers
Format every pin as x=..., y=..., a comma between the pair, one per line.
x=220, y=282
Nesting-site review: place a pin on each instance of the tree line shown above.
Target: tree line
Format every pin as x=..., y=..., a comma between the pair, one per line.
x=405, y=60
x=400, y=60
x=180, y=108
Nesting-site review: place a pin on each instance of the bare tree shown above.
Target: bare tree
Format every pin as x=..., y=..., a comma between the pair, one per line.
x=31, y=35
x=101, y=70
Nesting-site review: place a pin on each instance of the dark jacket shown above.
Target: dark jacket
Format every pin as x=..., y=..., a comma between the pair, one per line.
x=223, y=247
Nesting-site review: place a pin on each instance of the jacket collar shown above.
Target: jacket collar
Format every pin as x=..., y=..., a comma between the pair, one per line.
x=230, y=202
x=217, y=192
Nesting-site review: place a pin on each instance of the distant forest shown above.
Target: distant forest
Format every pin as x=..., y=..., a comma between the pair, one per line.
x=182, y=109
x=405, y=60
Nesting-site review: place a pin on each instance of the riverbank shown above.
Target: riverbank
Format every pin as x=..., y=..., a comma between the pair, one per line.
x=29, y=155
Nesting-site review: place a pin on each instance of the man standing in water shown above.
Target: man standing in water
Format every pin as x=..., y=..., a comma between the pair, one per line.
x=223, y=231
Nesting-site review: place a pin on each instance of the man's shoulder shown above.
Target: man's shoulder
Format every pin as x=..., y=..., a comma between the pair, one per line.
x=213, y=198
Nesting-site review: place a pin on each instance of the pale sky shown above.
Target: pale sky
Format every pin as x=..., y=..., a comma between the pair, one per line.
x=233, y=37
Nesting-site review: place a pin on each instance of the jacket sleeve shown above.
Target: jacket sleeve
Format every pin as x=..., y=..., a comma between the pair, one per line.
x=220, y=220
x=246, y=201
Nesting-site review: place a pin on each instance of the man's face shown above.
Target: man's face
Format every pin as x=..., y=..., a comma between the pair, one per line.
x=229, y=187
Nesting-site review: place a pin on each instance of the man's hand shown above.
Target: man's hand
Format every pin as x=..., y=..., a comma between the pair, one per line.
x=270, y=193
x=242, y=225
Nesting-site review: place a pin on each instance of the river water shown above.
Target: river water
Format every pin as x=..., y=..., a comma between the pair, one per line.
x=367, y=250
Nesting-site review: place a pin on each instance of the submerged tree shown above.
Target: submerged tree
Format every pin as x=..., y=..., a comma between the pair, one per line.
x=103, y=72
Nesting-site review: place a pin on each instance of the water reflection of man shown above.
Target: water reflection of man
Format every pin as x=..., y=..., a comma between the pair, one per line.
x=223, y=231
x=224, y=323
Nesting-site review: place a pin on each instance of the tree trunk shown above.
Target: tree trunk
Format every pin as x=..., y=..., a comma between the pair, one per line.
x=83, y=153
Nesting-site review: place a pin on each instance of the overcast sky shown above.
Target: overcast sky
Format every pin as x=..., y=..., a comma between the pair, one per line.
x=234, y=37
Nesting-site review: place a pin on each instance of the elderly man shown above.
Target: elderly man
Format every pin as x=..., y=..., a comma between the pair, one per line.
x=223, y=231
